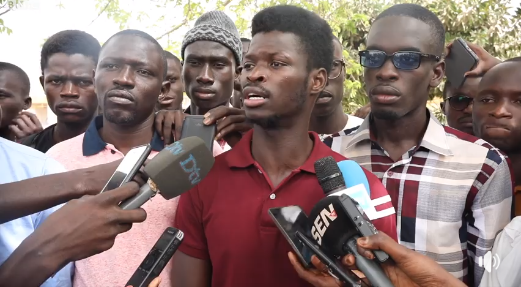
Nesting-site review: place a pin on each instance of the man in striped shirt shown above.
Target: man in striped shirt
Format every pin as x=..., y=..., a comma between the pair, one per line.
x=452, y=192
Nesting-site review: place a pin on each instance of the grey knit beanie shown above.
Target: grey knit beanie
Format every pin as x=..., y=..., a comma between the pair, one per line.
x=215, y=26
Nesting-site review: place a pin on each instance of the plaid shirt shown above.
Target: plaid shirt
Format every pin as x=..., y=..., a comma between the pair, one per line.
x=452, y=193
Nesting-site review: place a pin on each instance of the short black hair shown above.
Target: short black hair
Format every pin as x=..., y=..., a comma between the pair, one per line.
x=171, y=56
x=245, y=40
x=314, y=32
x=70, y=42
x=146, y=36
x=423, y=14
x=22, y=76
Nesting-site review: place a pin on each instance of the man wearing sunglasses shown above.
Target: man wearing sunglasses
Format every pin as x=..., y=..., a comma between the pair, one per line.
x=451, y=194
x=457, y=104
x=328, y=116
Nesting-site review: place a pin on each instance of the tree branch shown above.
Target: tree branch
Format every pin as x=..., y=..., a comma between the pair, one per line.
x=176, y=27
x=101, y=12
x=5, y=11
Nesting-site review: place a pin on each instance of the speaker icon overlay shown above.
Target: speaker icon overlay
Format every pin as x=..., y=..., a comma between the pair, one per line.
x=488, y=261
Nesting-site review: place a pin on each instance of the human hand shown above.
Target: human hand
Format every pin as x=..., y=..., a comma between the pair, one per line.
x=230, y=123
x=485, y=63
x=25, y=124
x=165, y=120
x=407, y=267
x=89, y=225
x=318, y=277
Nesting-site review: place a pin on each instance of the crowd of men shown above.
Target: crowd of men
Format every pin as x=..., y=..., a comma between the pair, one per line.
x=276, y=102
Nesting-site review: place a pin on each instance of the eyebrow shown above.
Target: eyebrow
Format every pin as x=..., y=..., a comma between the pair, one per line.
x=375, y=47
x=210, y=57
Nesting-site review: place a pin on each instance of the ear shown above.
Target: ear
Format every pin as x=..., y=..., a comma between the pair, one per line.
x=28, y=102
x=439, y=73
x=165, y=88
x=41, y=80
x=318, y=81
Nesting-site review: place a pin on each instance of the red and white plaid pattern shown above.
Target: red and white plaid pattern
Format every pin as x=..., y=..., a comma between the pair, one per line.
x=452, y=193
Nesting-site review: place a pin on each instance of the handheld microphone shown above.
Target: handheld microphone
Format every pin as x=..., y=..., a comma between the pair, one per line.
x=173, y=171
x=353, y=174
x=338, y=221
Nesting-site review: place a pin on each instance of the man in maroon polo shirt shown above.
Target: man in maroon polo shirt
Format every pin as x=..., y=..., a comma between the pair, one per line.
x=230, y=240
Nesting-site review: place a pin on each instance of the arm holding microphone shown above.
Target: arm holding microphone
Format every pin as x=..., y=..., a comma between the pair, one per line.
x=409, y=269
x=69, y=235
x=29, y=196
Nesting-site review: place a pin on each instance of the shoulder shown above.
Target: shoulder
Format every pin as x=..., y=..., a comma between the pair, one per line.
x=353, y=122
x=341, y=136
x=25, y=162
x=465, y=145
x=69, y=145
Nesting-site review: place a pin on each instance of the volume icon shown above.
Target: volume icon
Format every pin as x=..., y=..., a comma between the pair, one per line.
x=488, y=261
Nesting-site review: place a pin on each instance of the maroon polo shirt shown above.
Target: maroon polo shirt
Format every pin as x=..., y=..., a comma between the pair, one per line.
x=225, y=218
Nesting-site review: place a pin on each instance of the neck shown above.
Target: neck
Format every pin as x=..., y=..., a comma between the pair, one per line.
x=515, y=159
x=407, y=129
x=282, y=150
x=125, y=138
x=7, y=134
x=195, y=110
x=64, y=131
x=329, y=124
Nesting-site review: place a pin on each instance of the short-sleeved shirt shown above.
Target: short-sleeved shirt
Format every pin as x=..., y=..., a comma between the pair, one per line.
x=452, y=192
x=225, y=218
x=41, y=141
x=130, y=248
x=18, y=162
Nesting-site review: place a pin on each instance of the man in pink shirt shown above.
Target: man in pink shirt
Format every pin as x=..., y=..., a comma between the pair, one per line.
x=128, y=78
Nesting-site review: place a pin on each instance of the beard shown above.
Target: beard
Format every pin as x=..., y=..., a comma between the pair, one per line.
x=120, y=117
x=274, y=122
x=385, y=114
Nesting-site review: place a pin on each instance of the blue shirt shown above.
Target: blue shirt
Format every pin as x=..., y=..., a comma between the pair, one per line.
x=18, y=162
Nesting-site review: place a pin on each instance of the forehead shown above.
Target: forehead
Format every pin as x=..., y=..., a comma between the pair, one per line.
x=395, y=33
x=504, y=76
x=208, y=49
x=10, y=81
x=173, y=65
x=470, y=84
x=132, y=48
x=275, y=43
x=61, y=61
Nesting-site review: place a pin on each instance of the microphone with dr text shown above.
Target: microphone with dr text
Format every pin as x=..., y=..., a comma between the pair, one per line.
x=337, y=221
x=173, y=171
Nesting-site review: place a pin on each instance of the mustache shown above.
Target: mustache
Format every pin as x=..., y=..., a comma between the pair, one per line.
x=264, y=90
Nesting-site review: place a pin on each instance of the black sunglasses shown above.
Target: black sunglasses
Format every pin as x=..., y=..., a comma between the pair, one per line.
x=402, y=60
x=459, y=103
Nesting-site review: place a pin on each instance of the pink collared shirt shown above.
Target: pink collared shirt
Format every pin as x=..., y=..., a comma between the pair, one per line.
x=115, y=266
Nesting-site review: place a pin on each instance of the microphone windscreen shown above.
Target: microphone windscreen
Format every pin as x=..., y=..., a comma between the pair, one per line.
x=331, y=226
x=353, y=174
x=180, y=166
x=328, y=174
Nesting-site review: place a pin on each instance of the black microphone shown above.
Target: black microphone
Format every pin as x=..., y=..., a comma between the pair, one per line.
x=338, y=221
x=173, y=171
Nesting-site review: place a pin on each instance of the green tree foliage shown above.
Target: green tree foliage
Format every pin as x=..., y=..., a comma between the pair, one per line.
x=7, y=6
x=493, y=24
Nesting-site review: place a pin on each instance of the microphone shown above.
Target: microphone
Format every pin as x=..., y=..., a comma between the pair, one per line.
x=353, y=174
x=338, y=221
x=173, y=171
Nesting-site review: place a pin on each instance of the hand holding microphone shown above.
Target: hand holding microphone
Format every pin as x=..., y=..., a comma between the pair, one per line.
x=409, y=269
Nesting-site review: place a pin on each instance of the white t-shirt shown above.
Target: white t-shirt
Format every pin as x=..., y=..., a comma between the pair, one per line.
x=352, y=122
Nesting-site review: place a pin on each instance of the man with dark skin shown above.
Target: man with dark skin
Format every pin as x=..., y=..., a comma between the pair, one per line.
x=174, y=99
x=497, y=113
x=285, y=69
x=68, y=61
x=452, y=193
x=211, y=64
x=129, y=77
x=457, y=104
x=328, y=115
x=14, y=97
x=236, y=99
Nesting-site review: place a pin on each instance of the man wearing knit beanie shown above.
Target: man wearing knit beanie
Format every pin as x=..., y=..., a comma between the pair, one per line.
x=211, y=51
